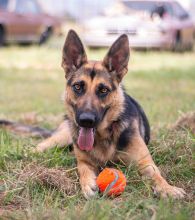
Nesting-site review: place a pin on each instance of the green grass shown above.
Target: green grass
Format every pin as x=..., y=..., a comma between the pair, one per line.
x=31, y=80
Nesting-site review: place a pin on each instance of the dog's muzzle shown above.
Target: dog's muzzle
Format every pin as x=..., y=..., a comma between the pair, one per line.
x=87, y=120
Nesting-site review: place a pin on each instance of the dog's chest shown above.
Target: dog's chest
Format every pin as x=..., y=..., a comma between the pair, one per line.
x=104, y=150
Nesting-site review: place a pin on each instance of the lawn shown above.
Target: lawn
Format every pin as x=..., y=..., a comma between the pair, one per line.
x=31, y=87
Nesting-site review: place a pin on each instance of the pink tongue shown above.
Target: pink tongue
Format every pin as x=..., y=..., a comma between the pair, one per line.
x=86, y=139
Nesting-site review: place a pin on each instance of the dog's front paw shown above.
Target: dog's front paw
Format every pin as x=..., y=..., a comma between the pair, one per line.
x=166, y=190
x=40, y=147
x=89, y=189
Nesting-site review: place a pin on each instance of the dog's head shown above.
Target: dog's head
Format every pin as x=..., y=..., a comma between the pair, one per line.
x=93, y=87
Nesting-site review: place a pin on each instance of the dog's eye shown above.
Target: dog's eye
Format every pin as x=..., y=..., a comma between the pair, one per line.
x=104, y=90
x=77, y=87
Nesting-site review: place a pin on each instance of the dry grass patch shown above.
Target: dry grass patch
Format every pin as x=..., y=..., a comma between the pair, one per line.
x=185, y=121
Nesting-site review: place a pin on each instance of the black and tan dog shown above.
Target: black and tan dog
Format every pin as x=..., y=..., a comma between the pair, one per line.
x=103, y=123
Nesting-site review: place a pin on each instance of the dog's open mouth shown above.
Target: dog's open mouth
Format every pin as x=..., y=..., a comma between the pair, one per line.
x=86, y=138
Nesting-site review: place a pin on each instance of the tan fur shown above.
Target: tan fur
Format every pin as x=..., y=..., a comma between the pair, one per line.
x=77, y=68
x=61, y=137
x=138, y=153
x=88, y=163
x=87, y=171
x=117, y=107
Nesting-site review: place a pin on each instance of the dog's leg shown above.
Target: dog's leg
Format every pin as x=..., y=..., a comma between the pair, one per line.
x=61, y=137
x=138, y=152
x=87, y=173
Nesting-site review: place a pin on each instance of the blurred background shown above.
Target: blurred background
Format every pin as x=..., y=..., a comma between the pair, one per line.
x=161, y=24
x=161, y=35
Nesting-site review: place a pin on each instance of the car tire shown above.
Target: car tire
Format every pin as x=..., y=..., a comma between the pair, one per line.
x=190, y=47
x=2, y=36
x=178, y=45
x=45, y=36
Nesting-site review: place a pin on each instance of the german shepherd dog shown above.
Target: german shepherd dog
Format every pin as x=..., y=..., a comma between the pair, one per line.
x=103, y=123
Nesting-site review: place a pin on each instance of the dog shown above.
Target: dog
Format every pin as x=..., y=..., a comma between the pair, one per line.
x=103, y=123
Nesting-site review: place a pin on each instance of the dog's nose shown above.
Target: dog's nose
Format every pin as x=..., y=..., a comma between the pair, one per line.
x=87, y=120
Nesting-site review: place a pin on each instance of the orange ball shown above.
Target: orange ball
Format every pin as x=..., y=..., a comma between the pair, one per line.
x=111, y=182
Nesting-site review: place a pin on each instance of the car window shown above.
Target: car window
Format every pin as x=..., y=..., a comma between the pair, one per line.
x=27, y=6
x=151, y=7
x=140, y=5
x=179, y=12
x=3, y=4
x=169, y=8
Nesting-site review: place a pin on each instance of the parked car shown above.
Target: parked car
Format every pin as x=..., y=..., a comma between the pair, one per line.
x=25, y=21
x=148, y=23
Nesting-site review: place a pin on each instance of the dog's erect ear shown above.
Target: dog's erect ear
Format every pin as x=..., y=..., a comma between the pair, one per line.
x=117, y=57
x=74, y=55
